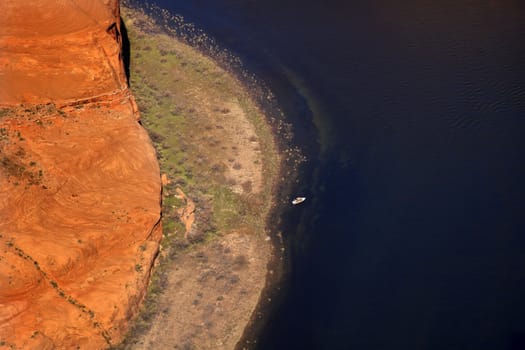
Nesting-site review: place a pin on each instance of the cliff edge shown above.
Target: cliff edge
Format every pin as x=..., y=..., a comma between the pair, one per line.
x=79, y=179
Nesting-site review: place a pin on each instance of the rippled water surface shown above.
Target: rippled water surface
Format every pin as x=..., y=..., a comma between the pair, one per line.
x=413, y=116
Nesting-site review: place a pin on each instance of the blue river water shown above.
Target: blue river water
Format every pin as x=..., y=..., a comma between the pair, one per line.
x=412, y=115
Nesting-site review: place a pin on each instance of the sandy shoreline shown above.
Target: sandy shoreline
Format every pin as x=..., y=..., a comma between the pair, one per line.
x=216, y=146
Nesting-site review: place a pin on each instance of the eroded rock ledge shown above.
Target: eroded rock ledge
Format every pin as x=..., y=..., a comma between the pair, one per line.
x=80, y=184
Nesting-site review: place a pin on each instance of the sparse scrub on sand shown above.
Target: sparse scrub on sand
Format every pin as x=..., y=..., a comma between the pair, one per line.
x=215, y=145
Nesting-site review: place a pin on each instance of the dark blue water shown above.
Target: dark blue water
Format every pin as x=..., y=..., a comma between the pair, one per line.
x=413, y=116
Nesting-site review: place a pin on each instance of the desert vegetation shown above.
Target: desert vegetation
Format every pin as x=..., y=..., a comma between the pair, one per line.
x=17, y=165
x=215, y=145
x=185, y=102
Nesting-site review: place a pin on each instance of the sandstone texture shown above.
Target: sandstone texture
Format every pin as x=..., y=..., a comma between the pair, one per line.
x=79, y=180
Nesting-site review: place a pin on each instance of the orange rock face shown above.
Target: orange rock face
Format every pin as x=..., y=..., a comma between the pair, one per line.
x=79, y=179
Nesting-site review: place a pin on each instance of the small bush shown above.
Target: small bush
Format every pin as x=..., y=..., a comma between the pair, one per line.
x=240, y=261
x=155, y=136
x=247, y=186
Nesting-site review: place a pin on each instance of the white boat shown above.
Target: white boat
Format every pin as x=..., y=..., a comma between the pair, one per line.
x=298, y=200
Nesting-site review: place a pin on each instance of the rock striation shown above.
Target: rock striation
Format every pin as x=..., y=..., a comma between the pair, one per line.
x=79, y=179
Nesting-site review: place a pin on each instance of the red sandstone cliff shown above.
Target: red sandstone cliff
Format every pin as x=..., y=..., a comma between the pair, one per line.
x=79, y=180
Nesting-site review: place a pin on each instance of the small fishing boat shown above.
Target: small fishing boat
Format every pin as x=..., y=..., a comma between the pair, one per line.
x=298, y=200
